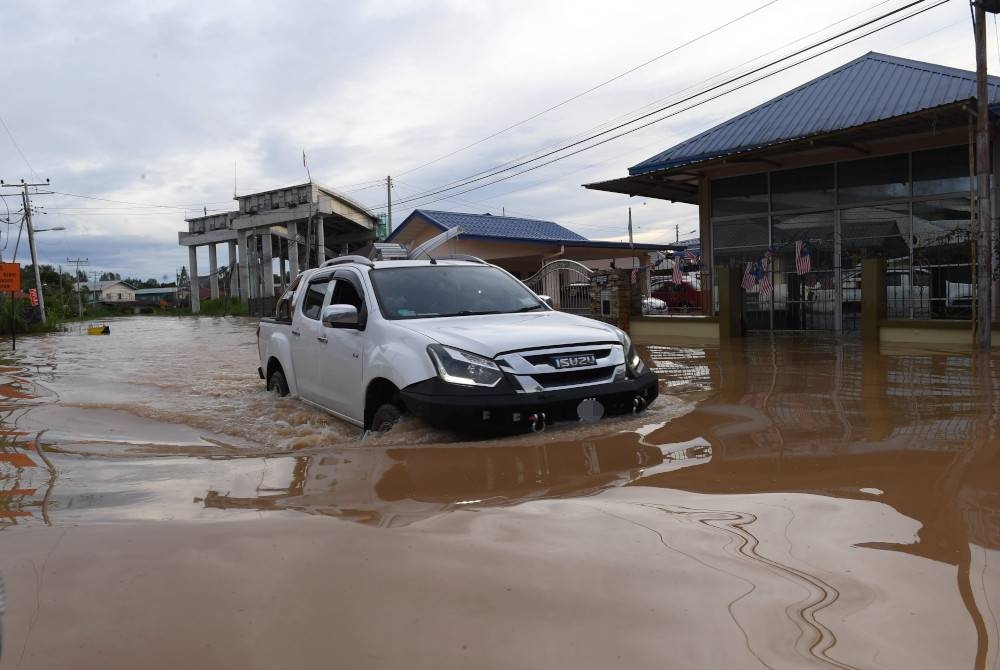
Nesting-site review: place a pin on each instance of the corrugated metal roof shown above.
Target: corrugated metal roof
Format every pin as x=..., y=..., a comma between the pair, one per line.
x=875, y=87
x=497, y=227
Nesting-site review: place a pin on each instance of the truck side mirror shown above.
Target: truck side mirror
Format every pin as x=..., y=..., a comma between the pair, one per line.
x=340, y=316
x=547, y=300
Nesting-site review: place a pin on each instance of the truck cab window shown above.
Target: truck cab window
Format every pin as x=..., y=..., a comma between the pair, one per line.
x=283, y=310
x=312, y=302
x=344, y=293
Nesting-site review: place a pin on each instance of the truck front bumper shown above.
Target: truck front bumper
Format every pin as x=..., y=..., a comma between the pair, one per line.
x=501, y=409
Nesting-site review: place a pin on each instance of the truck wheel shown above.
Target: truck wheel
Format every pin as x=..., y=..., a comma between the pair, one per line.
x=276, y=383
x=385, y=417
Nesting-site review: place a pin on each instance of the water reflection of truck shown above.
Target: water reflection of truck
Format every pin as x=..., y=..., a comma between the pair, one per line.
x=392, y=487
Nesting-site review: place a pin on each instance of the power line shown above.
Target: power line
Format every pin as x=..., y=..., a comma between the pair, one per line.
x=585, y=133
x=492, y=173
x=139, y=204
x=703, y=82
x=486, y=174
x=18, y=147
x=592, y=88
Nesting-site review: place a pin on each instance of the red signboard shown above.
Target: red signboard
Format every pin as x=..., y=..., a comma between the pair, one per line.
x=10, y=277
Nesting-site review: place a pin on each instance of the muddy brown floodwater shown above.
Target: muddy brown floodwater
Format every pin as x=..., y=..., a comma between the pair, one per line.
x=787, y=503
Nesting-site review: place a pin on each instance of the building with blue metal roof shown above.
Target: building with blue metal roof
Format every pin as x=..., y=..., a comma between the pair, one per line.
x=489, y=227
x=870, y=160
x=517, y=244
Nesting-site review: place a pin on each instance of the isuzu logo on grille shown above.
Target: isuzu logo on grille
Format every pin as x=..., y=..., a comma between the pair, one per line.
x=574, y=361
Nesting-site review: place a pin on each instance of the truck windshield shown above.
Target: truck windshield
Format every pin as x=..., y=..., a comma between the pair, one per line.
x=442, y=290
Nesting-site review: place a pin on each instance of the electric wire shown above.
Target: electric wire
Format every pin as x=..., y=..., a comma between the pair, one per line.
x=591, y=89
x=139, y=204
x=704, y=82
x=493, y=172
x=487, y=175
x=18, y=147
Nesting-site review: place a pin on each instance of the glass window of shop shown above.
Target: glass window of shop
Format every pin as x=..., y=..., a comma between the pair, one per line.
x=940, y=171
x=756, y=305
x=873, y=179
x=740, y=195
x=911, y=209
x=804, y=188
x=942, y=254
x=803, y=302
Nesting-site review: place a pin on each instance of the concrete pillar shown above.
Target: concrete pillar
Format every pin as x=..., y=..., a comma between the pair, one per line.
x=267, y=263
x=193, y=275
x=293, y=249
x=213, y=268
x=320, y=241
x=234, y=274
x=730, y=302
x=243, y=267
x=281, y=267
x=253, y=259
x=872, y=298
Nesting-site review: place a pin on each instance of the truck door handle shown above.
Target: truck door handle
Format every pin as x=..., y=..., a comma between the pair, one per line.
x=322, y=339
x=296, y=333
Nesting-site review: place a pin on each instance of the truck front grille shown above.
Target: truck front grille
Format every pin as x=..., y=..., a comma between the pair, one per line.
x=553, y=380
x=537, y=370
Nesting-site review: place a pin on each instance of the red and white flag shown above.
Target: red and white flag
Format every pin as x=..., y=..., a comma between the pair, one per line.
x=750, y=277
x=764, y=275
x=803, y=257
x=635, y=276
x=33, y=297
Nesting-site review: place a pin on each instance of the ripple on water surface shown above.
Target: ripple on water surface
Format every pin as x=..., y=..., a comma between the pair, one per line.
x=787, y=503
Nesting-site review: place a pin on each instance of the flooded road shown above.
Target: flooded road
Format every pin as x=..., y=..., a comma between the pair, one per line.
x=786, y=504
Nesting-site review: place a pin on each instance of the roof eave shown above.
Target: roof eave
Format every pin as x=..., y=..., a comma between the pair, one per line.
x=656, y=183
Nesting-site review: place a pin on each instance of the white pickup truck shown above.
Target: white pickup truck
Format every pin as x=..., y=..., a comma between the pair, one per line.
x=459, y=343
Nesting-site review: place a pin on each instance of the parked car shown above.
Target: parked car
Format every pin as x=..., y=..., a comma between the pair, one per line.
x=460, y=344
x=653, y=306
x=681, y=297
x=903, y=293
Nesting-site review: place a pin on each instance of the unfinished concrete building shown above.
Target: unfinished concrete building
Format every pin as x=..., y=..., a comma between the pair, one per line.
x=299, y=226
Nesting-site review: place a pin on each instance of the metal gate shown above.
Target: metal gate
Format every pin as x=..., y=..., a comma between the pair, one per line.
x=566, y=282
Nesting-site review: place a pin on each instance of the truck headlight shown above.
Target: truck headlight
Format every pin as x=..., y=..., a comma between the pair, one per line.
x=460, y=367
x=632, y=360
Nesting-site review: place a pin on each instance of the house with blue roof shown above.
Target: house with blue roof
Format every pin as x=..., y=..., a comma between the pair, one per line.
x=519, y=245
x=871, y=160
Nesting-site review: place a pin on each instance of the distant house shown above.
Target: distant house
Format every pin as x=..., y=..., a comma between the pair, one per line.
x=107, y=291
x=516, y=244
x=157, y=296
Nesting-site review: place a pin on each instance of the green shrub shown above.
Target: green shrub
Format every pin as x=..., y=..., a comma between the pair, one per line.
x=223, y=307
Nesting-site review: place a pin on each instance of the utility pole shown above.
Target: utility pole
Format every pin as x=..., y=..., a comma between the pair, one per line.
x=31, y=239
x=76, y=278
x=984, y=218
x=677, y=232
x=388, y=193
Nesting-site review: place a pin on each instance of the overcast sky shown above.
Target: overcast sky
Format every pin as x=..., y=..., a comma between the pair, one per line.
x=152, y=103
